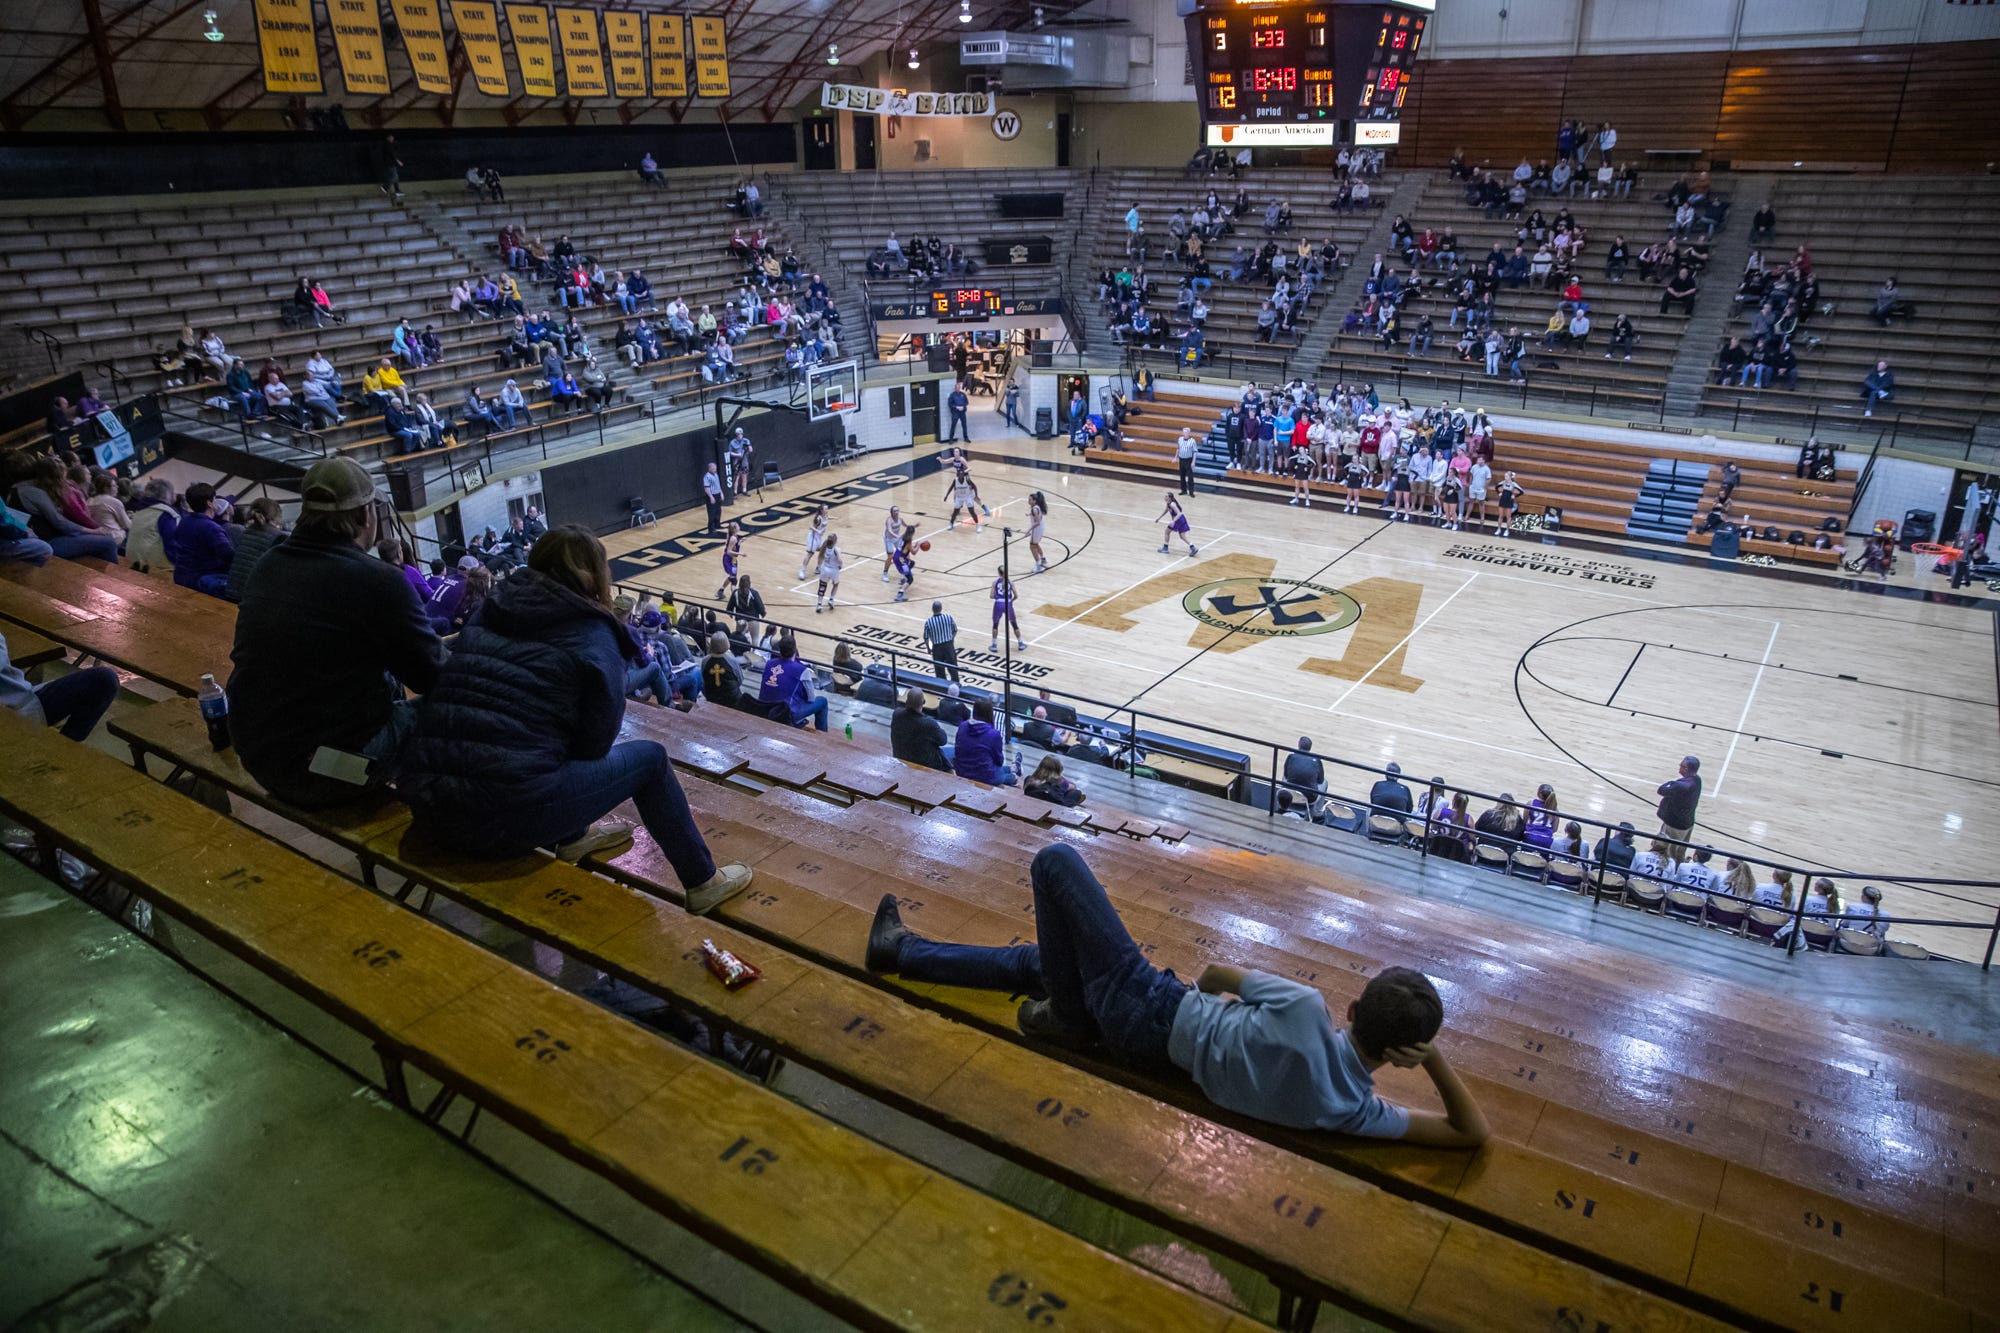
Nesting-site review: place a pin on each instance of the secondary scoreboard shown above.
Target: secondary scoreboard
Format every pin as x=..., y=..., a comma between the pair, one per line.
x=1295, y=75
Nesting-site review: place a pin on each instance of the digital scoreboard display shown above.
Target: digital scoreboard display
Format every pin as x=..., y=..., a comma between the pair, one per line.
x=1273, y=73
x=966, y=303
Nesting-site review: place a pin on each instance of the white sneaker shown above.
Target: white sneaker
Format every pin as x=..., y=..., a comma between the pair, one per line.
x=1309, y=504
x=885, y=576
x=601, y=836
x=726, y=883
x=993, y=647
x=1163, y=550
x=1294, y=500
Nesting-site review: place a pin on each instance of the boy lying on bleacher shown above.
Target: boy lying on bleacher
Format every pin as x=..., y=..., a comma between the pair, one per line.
x=1253, y=1042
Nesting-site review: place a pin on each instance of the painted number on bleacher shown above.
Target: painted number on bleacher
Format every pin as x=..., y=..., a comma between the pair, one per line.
x=131, y=819
x=1048, y=1108
x=1576, y=1321
x=562, y=897
x=1818, y=1223
x=1684, y=1126
x=761, y=899
x=1289, y=1208
x=1038, y=1307
x=541, y=1045
x=1532, y=1046
x=1564, y=1033
x=1567, y=1200
x=1833, y=1298
x=1621, y=1154
x=238, y=878
x=377, y=954
x=1525, y=1073
x=910, y=904
x=862, y=1029
x=748, y=1156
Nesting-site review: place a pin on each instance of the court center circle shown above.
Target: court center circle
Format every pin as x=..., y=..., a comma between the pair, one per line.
x=1271, y=608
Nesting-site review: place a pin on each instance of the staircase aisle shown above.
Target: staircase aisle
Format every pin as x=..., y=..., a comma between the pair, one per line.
x=1728, y=253
x=1343, y=295
x=1666, y=505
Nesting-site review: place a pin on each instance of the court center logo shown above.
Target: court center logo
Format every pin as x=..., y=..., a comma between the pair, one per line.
x=1271, y=608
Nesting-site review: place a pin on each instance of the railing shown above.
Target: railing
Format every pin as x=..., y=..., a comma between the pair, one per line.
x=1861, y=486
x=178, y=409
x=1127, y=744
x=49, y=343
x=119, y=383
x=1889, y=427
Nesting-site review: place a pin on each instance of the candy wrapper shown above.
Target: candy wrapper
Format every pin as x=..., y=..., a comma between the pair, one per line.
x=730, y=970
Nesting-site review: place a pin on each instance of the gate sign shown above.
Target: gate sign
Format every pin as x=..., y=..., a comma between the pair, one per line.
x=898, y=102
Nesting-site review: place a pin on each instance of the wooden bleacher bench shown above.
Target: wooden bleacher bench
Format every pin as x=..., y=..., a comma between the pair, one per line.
x=1326, y=1236
x=871, y=1235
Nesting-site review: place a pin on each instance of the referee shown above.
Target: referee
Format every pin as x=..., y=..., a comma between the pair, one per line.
x=941, y=636
x=1184, y=449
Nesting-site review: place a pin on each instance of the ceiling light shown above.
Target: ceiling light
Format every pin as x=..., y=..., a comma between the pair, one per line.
x=914, y=62
x=214, y=34
x=965, y=11
x=833, y=53
x=1039, y=16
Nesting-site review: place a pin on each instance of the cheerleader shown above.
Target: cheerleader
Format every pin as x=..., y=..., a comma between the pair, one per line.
x=1399, y=492
x=1038, y=513
x=1176, y=520
x=1301, y=467
x=904, y=562
x=815, y=538
x=732, y=551
x=829, y=573
x=1510, y=493
x=1449, y=492
x=892, y=538
x=1353, y=476
x=1003, y=610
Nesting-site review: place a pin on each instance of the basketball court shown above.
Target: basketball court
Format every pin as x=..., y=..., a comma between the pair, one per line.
x=1839, y=729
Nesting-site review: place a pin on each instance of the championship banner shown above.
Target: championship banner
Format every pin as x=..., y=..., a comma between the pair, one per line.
x=896, y=102
x=357, y=36
x=478, y=23
x=711, y=58
x=423, y=42
x=628, y=53
x=289, y=45
x=533, y=50
x=583, y=56
x=670, y=54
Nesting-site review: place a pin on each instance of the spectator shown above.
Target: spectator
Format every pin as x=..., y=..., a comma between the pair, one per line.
x=917, y=739
x=1038, y=731
x=517, y=745
x=951, y=710
x=40, y=491
x=786, y=691
x=649, y=172
x=1681, y=289
x=1048, y=783
x=1764, y=224
x=1273, y=1053
x=74, y=701
x=107, y=511
x=1678, y=798
x=322, y=624
x=1729, y=362
x=978, y=753
x=1623, y=335
x=1303, y=770
x=1502, y=824
x=149, y=545
x=1879, y=386
x=1390, y=796
x=263, y=528
x=722, y=676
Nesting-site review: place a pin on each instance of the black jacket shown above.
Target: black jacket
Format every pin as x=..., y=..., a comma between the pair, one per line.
x=917, y=739
x=536, y=679
x=322, y=628
x=1391, y=795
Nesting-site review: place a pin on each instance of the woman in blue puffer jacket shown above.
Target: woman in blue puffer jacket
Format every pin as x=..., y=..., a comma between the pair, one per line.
x=515, y=744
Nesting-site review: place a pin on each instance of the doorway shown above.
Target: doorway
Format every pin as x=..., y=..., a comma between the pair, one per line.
x=864, y=143
x=822, y=151
x=1066, y=385
x=1062, y=138
x=924, y=412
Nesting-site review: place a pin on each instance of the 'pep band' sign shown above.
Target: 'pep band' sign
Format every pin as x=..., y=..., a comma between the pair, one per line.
x=897, y=102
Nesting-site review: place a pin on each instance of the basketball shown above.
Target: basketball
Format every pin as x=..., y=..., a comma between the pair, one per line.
x=923, y=546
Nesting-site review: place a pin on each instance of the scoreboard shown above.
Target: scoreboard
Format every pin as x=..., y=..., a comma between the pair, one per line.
x=1284, y=74
x=966, y=304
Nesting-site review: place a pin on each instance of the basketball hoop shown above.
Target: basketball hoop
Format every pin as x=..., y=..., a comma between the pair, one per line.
x=1937, y=551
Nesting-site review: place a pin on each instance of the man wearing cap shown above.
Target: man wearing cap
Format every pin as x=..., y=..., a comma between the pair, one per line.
x=1677, y=803
x=1390, y=796
x=323, y=626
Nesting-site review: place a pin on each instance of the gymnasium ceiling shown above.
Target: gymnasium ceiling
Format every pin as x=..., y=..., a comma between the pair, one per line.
x=124, y=57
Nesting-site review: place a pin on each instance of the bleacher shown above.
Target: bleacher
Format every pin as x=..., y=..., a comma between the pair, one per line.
x=1669, y=1152
x=1569, y=375
x=1933, y=236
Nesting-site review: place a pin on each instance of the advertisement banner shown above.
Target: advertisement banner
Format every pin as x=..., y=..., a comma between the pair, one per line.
x=357, y=37
x=583, y=55
x=670, y=68
x=534, y=51
x=623, y=39
x=1271, y=136
x=711, y=58
x=898, y=102
x=478, y=23
x=289, y=45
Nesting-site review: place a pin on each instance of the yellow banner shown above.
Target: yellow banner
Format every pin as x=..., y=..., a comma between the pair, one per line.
x=533, y=51
x=423, y=42
x=670, y=54
x=583, y=57
x=624, y=39
x=289, y=45
x=479, y=34
x=711, y=58
x=357, y=36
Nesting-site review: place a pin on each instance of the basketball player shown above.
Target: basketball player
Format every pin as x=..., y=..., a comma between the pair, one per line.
x=1003, y=609
x=1038, y=513
x=965, y=495
x=1510, y=492
x=892, y=538
x=1176, y=520
x=955, y=460
x=815, y=538
x=829, y=573
x=905, y=562
x=732, y=551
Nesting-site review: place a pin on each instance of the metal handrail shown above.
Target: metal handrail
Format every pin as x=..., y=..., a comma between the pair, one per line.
x=49, y=343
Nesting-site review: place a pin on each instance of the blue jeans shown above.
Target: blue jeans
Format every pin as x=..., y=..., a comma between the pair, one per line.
x=649, y=676
x=1086, y=964
x=559, y=807
x=85, y=548
x=75, y=702
x=814, y=712
x=26, y=550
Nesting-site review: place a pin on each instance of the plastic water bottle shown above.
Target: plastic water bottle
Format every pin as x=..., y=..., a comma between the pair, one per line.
x=850, y=731
x=1019, y=772
x=215, y=712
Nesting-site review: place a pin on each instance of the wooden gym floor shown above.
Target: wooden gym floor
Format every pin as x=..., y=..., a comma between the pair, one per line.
x=1839, y=728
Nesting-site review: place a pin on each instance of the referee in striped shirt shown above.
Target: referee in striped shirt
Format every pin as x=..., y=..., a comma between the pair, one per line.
x=941, y=636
